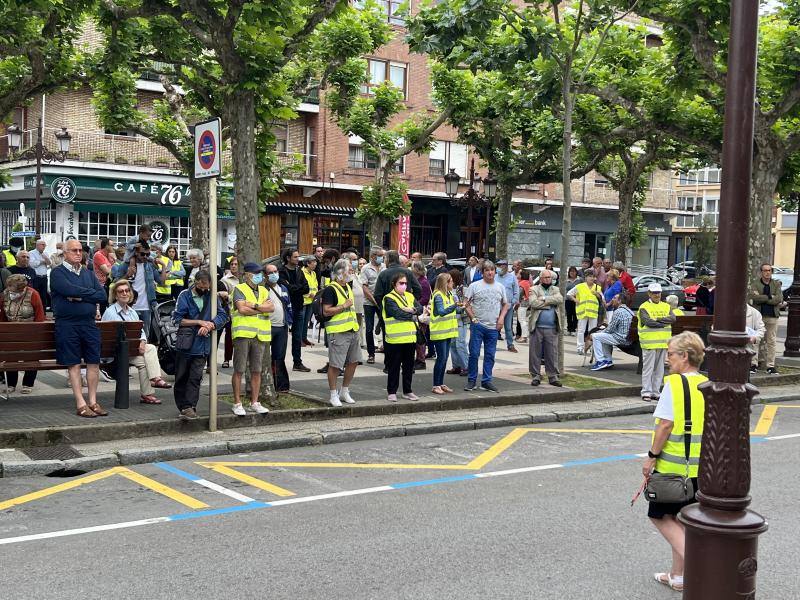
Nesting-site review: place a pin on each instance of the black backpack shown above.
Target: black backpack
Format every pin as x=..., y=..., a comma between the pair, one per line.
x=316, y=308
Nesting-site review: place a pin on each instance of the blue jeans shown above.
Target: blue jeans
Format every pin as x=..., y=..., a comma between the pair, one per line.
x=308, y=312
x=508, y=325
x=458, y=348
x=442, y=352
x=487, y=337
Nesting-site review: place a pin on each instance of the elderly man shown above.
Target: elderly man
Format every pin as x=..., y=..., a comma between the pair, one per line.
x=546, y=323
x=344, y=350
x=755, y=328
x=23, y=267
x=76, y=294
x=599, y=272
x=766, y=297
x=368, y=280
x=616, y=334
x=655, y=330
x=252, y=333
x=40, y=262
x=509, y=281
x=625, y=278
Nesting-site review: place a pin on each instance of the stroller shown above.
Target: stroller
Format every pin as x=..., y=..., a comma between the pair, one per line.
x=166, y=334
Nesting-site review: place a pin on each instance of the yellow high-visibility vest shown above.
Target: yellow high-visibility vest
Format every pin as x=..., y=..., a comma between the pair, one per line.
x=397, y=331
x=673, y=455
x=249, y=326
x=654, y=338
x=345, y=320
x=165, y=289
x=10, y=258
x=678, y=312
x=313, y=285
x=587, y=304
x=446, y=327
x=175, y=266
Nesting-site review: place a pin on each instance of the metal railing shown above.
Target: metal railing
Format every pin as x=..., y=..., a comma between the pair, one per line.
x=636, y=270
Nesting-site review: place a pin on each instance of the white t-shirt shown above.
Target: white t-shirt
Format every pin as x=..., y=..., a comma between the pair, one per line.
x=487, y=300
x=664, y=407
x=141, y=288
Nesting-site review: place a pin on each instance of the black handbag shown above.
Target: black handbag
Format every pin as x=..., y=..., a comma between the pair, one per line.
x=671, y=488
x=186, y=334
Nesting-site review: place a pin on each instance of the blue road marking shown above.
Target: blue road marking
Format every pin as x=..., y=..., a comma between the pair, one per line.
x=176, y=471
x=597, y=461
x=219, y=511
x=410, y=484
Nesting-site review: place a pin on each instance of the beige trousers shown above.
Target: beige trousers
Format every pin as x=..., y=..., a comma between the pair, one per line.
x=765, y=353
x=148, y=367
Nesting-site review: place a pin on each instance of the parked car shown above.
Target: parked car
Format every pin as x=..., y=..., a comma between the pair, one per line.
x=642, y=282
x=786, y=277
x=688, y=270
x=690, y=296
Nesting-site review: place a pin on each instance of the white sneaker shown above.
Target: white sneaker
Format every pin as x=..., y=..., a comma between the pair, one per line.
x=239, y=411
x=105, y=376
x=392, y=398
x=335, y=400
x=256, y=407
x=411, y=396
x=346, y=397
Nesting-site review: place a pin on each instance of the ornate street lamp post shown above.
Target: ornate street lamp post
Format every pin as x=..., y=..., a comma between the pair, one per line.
x=39, y=153
x=721, y=532
x=472, y=197
x=792, y=345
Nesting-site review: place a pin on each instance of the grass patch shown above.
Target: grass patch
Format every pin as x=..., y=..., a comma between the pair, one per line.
x=285, y=401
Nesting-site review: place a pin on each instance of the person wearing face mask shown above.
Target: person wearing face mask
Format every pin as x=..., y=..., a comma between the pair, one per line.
x=280, y=319
x=358, y=297
x=509, y=281
x=20, y=303
x=400, y=311
x=341, y=327
x=294, y=280
x=367, y=280
x=546, y=323
x=309, y=271
x=193, y=310
x=145, y=277
x=252, y=333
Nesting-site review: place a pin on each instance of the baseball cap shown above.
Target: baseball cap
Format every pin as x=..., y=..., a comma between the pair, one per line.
x=252, y=267
x=654, y=287
x=502, y=261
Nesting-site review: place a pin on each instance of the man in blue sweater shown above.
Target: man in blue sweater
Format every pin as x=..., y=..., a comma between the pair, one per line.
x=76, y=294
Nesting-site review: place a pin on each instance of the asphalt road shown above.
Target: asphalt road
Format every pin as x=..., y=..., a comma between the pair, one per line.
x=565, y=532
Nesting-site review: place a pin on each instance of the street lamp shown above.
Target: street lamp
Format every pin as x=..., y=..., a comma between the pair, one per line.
x=792, y=345
x=40, y=153
x=472, y=197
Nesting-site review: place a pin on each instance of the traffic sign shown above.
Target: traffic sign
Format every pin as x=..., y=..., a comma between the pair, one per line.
x=23, y=234
x=207, y=150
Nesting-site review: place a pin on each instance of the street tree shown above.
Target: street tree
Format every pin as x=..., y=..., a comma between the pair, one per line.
x=697, y=41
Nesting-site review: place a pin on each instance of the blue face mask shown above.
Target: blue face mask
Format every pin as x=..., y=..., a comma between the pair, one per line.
x=258, y=278
x=379, y=260
x=153, y=255
x=273, y=278
x=354, y=263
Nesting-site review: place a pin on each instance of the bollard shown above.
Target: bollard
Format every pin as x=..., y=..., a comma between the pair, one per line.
x=122, y=390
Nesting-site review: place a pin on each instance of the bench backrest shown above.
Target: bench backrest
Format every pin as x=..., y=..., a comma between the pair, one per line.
x=33, y=341
x=700, y=324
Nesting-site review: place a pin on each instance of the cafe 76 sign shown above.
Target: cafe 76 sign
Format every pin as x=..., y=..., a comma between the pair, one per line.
x=171, y=194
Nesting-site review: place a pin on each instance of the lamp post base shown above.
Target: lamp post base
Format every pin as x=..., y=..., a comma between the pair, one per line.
x=721, y=548
x=792, y=344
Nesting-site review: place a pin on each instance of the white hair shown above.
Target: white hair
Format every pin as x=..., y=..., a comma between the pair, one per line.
x=196, y=252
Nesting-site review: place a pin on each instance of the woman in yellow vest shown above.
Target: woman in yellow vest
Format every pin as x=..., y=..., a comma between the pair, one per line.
x=667, y=452
x=309, y=271
x=672, y=300
x=400, y=311
x=587, y=296
x=443, y=328
x=177, y=274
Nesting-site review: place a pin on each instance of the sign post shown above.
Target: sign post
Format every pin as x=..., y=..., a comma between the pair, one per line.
x=404, y=234
x=208, y=165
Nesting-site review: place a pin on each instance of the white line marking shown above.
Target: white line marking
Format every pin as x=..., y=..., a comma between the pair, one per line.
x=515, y=471
x=223, y=490
x=372, y=490
x=783, y=437
x=96, y=528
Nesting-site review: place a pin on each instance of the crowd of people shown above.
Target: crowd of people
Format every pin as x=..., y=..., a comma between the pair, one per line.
x=382, y=303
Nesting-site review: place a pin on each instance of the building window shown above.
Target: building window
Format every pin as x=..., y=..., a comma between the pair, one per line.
x=281, y=133
x=436, y=167
x=707, y=176
x=601, y=183
x=379, y=71
x=9, y=218
x=359, y=158
x=389, y=8
x=327, y=231
x=448, y=155
x=118, y=228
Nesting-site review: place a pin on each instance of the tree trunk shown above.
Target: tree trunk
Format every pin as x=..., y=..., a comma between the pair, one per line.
x=566, y=179
x=241, y=119
x=198, y=212
x=503, y=219
x=767, y=169
x=624, y=220
x=375, y=229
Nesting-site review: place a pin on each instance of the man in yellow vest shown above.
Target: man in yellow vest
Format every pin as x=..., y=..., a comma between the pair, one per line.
x=655, y=330
x=309, y=270
x=588, y=296
x=344, y=348
x=252, y=333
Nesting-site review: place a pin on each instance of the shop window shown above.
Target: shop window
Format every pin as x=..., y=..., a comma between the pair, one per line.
x=327, y=231
x=428, y=233
x=289, y=231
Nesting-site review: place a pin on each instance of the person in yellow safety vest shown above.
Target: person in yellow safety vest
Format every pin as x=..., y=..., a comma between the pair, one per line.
x=588, y=296
x=11, y=260
x=177, y=273
x=163, y=264
x=672, y=300
x=667, y=452
x=341, y=327
x=655, y=330
x=400, y=310
x=252, y=333
x=309, y=270
x=443, y=327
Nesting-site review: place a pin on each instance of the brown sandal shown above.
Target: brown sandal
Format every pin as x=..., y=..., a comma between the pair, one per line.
x=85, y=411
x=149, y=399
x=97, y=410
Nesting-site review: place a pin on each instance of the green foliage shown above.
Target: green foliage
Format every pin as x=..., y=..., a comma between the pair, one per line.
x=385, y=202
x=704, y=244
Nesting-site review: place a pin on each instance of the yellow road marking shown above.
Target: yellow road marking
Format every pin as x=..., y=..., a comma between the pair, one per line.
x=766, y=419
x=224, y=469
x=123, y=471
x=498, y=448
x=162, y=489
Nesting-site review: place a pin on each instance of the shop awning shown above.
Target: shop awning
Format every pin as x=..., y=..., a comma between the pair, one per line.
x=309, y=209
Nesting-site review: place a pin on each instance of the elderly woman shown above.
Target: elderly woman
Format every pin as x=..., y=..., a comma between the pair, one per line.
x=667, y=452
x=230, y=280
x=195, y=257
x=614, y=289
x=20, y=303
x=120, y=297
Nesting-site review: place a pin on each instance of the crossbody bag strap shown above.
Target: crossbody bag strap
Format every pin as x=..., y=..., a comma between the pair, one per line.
x=687, y=420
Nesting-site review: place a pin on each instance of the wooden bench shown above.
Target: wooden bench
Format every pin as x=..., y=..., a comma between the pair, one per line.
x=699, y=324
x=32, y=346
x=631, y=347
